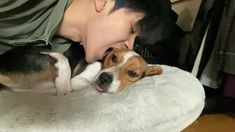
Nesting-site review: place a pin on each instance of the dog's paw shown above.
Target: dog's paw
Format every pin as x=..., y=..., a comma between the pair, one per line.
x=62, y=81
x=63, y=92
x=63, y=86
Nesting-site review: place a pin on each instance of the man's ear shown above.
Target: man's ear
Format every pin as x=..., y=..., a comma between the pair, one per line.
x=99, y=5
x=153, y=70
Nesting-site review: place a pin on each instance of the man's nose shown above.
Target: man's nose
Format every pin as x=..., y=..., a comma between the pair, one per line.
x=130, y=42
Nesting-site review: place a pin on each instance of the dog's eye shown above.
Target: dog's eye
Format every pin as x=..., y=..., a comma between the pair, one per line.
x=114, y=58
x=132, y=74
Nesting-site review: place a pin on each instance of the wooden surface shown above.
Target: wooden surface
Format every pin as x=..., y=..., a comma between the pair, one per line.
x=213, y=123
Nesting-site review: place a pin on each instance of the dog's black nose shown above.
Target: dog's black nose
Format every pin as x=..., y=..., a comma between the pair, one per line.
x=105, y=78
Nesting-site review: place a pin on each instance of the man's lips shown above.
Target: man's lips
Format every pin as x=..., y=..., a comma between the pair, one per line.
x=107, y=52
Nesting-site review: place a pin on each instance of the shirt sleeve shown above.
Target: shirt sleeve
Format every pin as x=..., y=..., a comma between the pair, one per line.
x=29, y=21
x=24, y=20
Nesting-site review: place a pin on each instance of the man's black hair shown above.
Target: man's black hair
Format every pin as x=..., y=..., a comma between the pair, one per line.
x=156, y=21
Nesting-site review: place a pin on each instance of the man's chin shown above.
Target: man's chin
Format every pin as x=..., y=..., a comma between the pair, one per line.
x=89, y=60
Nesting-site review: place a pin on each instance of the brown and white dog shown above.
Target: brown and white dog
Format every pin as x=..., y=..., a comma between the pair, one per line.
x=119, y=69
x=35, y=69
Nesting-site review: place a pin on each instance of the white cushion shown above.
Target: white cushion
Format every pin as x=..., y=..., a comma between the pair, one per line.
x=164, y=103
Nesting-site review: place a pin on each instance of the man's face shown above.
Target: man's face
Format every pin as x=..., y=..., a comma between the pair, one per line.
x=106, y=29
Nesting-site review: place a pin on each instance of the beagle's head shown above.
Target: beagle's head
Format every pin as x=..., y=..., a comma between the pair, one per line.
x=121, y=68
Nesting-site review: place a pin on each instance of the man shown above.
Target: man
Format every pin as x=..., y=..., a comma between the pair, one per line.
x=97, y=24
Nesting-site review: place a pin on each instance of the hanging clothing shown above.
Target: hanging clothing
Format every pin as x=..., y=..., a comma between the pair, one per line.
x=223, y=55
x=196, y=35
x=229, y=87
x=226, y=38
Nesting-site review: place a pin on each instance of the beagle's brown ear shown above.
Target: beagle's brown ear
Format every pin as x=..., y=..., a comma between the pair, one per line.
x=153, y=70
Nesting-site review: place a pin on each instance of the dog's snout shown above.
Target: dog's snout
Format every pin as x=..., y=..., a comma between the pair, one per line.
x=105, y=78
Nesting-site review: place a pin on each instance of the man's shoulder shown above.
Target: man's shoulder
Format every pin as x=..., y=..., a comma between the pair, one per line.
x=29, y=20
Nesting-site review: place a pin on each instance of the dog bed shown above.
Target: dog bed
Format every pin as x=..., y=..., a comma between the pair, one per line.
x=162, y=103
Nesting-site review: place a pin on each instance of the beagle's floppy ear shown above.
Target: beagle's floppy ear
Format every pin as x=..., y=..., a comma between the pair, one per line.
x=99, y=5
x=153, y=70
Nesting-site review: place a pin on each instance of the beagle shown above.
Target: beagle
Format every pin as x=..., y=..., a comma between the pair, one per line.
x=119, y=69
x=37, y=69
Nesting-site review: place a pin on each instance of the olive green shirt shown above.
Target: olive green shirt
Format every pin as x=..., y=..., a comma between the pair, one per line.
x=32, y=22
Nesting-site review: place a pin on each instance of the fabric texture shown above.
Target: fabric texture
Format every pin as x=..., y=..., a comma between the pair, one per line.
x=29, y=22
x=226, y=39
x=218, y=49
x=222, y=58
x=162, y=103
x=197, y=33
x=229, y=88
